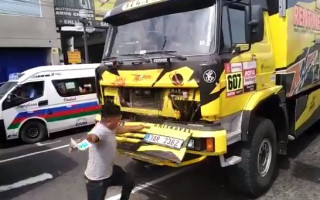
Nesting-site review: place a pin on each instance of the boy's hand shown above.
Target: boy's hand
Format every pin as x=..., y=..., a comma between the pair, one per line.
x=140, y=127
x=73, y=145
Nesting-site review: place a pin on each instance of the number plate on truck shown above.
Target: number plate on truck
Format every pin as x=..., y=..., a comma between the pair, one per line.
x=163, y=141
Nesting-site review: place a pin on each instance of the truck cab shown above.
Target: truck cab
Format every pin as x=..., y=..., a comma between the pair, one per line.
x=210, y=78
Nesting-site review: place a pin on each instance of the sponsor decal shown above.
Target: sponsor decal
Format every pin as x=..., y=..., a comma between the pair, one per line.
x=249, y=81
x=240, y=77
x=273, y=78
x=306, y=19
x=28, y=105
x=120, y=81
x=58, y=113
x=70, y=99
x=138, y=3
x=305, y=69
x=177, y=128
x=249, y=65
x=227, y=68
x=234, y=93
x=81, y=122
x=234, y=84
x=250, y=87
x=138, y=77
x=177, y=79
x=236, y=67
x=209, y=76
x=249, y=73
x=233, y=67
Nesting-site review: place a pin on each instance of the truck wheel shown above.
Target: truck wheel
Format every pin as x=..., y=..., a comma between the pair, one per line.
x=254, y=174
x=33, y=132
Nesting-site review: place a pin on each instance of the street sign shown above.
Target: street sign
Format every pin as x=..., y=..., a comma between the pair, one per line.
x=74, y=57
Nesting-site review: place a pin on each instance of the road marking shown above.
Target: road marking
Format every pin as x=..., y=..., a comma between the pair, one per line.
x=32, y=154
x=148, y=184
x=29, y=181
x=43, y=144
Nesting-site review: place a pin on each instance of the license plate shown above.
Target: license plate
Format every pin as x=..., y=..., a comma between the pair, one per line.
x=164, y=141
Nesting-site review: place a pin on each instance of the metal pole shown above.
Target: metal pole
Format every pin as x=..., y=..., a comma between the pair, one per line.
x=86, y=53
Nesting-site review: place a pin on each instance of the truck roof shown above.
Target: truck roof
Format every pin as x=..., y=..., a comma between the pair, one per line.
x=126, y=11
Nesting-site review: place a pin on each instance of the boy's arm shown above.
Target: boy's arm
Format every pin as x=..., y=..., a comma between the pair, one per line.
x=83, y=144
x=128, y=129
x=91, y=137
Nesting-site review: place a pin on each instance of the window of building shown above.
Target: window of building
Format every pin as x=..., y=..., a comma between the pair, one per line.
x=29, y=8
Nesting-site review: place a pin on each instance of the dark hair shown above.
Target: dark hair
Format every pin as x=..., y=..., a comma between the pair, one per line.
x=110, y=110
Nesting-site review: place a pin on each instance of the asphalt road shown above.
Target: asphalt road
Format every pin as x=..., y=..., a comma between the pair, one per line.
x=46, y=171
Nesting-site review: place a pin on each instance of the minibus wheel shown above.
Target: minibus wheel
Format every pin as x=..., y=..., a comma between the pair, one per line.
x=33, y=132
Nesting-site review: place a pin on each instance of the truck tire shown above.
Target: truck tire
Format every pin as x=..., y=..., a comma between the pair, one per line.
x=33, y=132
x=255, y=173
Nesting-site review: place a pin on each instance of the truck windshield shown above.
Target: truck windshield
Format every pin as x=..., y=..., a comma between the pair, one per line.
x=186, y=33
x=6, y=87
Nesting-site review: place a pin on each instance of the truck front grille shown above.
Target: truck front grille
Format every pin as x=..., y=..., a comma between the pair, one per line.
x=141, y=98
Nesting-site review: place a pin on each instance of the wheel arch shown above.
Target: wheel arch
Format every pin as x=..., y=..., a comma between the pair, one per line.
x=37, y=119
x=272, y=107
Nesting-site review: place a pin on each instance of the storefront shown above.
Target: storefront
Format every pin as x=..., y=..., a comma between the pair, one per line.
x=67, y=15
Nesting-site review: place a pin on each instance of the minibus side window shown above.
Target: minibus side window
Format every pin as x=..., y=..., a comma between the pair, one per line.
x=23, y=94
x=75, y=87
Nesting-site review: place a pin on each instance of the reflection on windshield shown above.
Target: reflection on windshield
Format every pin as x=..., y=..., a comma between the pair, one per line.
x=186, y=33
x=6, y=87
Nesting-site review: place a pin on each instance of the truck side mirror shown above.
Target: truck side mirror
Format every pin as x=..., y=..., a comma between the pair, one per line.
x=255, y=25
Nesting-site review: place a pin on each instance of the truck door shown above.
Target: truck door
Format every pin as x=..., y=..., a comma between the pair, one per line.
x=246, y=69
x=27, y=101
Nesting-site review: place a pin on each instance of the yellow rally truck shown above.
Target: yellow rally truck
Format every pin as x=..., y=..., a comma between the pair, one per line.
x=235, y=79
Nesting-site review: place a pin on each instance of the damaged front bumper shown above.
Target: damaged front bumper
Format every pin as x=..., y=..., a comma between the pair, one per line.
x=196, y=143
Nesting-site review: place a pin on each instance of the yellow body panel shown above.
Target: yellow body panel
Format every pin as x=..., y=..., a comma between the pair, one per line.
x=312, y=105
x=259, y=96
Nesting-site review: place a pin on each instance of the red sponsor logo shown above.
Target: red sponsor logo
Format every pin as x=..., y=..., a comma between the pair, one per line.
x=227, y=67
x=138, y=77
x=306, y=18
x=120, y=81
x=230, y=94
x=249, y=73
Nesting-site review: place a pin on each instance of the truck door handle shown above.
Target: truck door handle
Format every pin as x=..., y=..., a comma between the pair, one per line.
x=43, y=103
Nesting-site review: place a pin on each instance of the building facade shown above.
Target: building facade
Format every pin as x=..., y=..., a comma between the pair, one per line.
x=67, y=15
x=28, y=36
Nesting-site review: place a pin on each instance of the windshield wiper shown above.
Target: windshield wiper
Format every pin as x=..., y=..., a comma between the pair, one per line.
x=169, y=53
x=137, y=55
x=106, y=58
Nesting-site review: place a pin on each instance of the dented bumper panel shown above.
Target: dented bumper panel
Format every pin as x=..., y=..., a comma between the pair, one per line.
x=168, y=143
